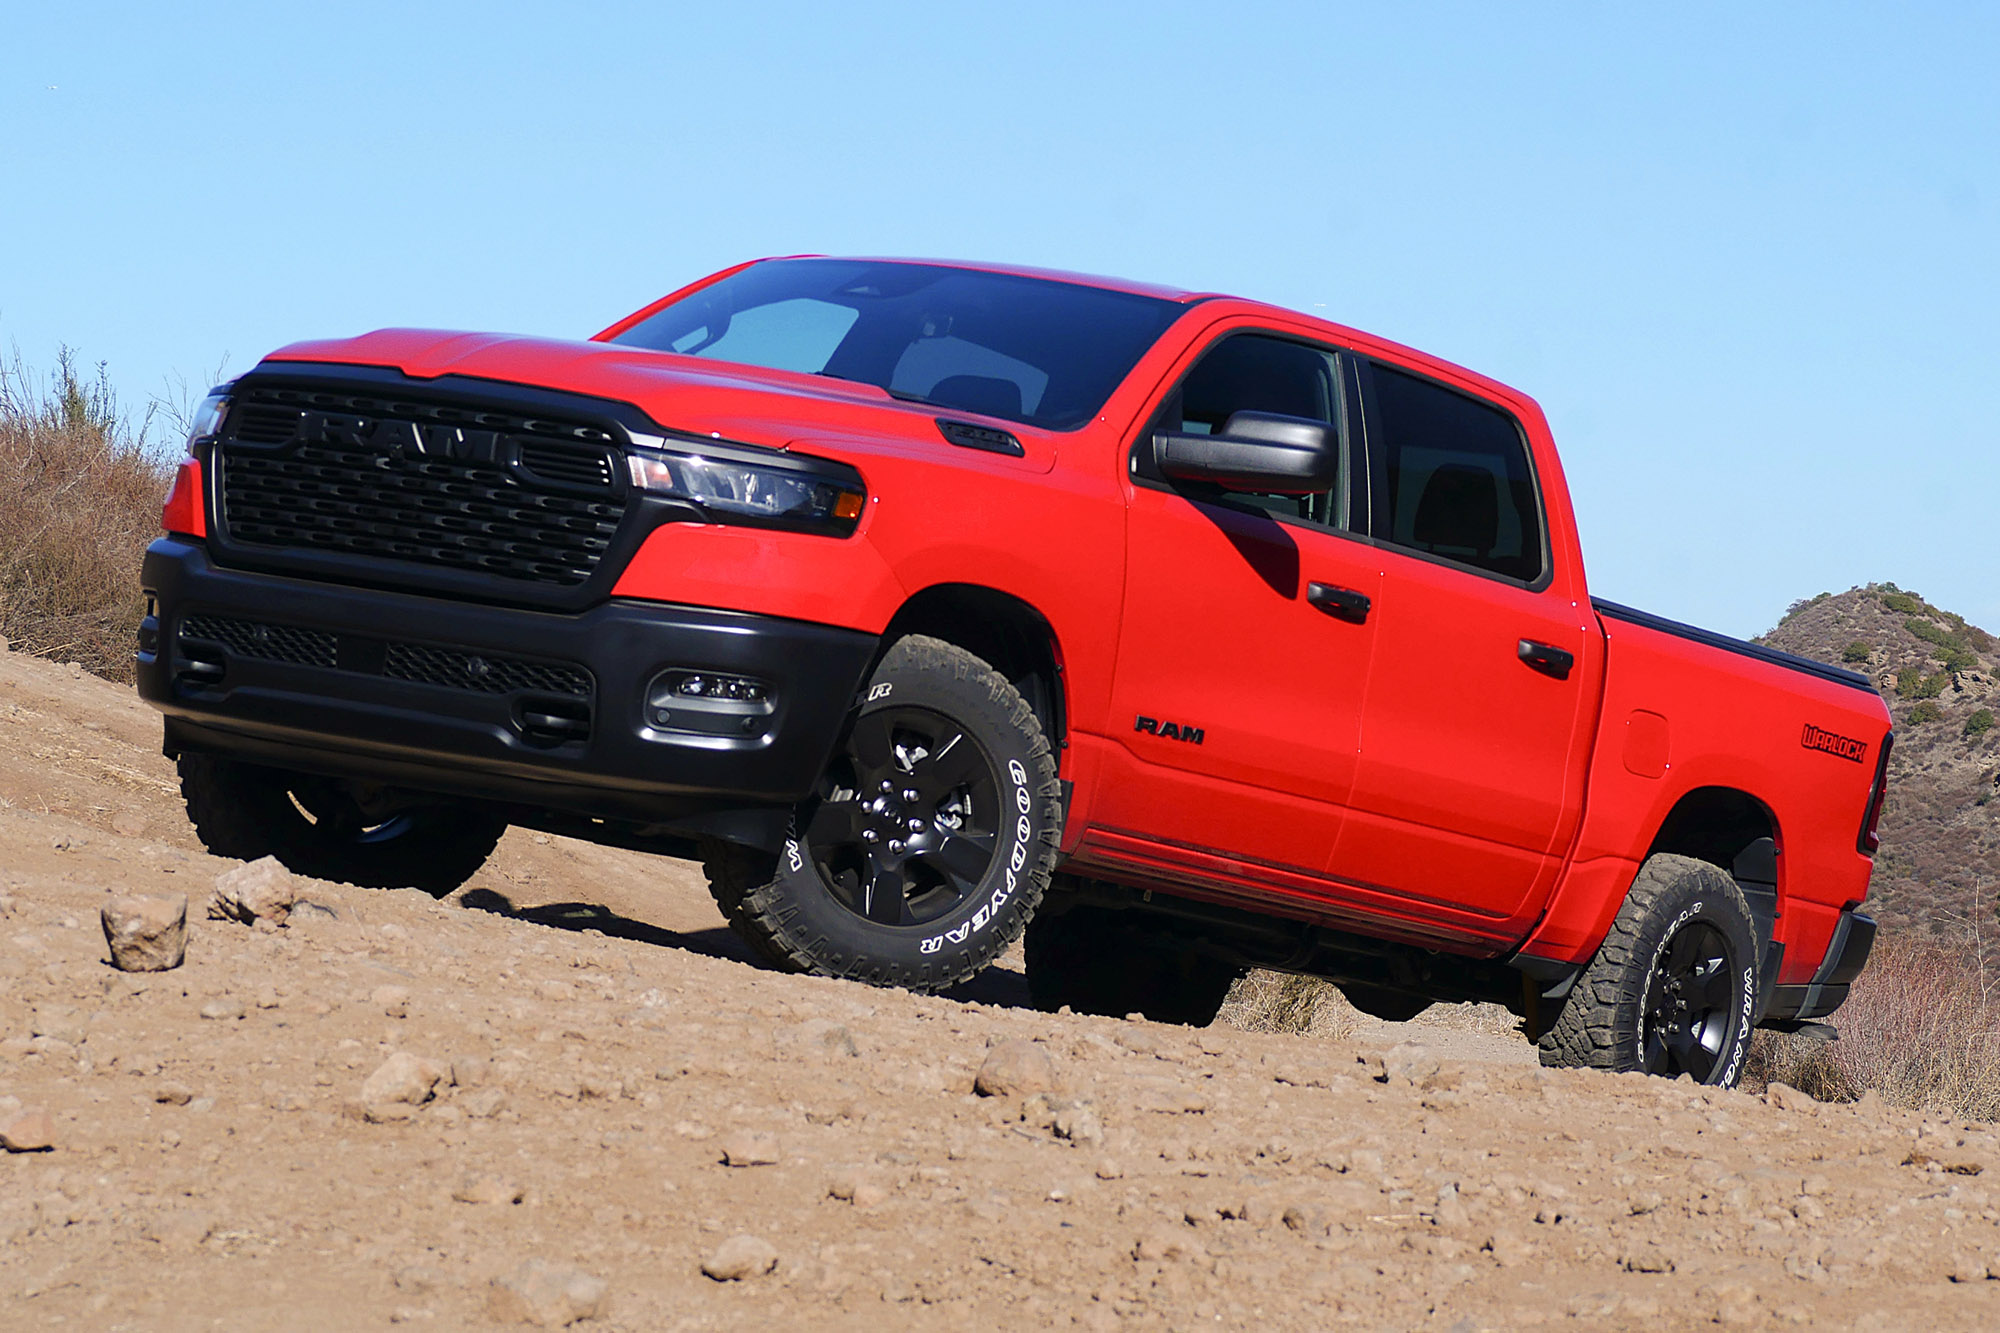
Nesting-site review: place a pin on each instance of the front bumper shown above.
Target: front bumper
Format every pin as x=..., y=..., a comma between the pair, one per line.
x=527, y=708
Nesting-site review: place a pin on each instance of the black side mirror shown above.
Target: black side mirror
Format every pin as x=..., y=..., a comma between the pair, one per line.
x=1256, y=451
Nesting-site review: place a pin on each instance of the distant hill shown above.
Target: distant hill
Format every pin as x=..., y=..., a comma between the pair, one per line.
x=1938, y=873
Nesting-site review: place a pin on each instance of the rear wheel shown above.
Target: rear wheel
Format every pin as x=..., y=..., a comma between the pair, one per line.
x=333, y=830
x=929, y=843
x=1673, y=988
x=1098, y=961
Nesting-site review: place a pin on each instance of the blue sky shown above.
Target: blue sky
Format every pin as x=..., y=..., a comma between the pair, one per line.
x=1748, y=258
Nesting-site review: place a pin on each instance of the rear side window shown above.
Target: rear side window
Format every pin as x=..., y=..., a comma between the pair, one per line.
x=1455, y=479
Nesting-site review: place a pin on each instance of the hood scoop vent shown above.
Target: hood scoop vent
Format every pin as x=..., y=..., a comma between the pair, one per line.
x=984, y=438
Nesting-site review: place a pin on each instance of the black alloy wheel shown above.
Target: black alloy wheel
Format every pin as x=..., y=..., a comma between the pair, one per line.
x=1673, y=989
x=930, y=842
x=1690, y=1003
x=909, y=824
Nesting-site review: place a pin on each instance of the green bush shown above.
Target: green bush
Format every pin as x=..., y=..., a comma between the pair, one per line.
x=1901, y=602
x=1912, y=683
x=1979, y=723
x=1855, y=652
x=1927, y=711
x=1958, y=659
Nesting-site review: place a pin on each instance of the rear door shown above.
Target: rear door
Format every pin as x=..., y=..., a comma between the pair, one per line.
x=1469, y=778
x=1241, y=674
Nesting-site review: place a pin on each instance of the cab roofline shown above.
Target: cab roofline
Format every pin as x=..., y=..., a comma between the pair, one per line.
x=1175, y=294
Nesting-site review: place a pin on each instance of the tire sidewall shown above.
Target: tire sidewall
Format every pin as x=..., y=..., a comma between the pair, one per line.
x=1708, y=898
x=978, y=928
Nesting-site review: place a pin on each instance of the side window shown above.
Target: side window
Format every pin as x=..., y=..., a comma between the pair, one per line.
x=1455, y=478
x=1247, y=372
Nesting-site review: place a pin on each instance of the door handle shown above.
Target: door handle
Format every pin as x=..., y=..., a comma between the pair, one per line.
x=1546, y=658
x=1340, y=603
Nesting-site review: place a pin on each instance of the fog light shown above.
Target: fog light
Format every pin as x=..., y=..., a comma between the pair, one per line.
x=709, y=703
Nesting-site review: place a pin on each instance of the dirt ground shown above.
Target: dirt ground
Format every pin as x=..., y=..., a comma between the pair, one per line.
x=601, y=1044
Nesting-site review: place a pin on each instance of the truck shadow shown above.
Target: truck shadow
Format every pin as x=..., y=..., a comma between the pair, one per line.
x=997, y=985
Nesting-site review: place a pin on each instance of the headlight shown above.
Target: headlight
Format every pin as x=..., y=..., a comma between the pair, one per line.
x=208, y=416
x=744, y=492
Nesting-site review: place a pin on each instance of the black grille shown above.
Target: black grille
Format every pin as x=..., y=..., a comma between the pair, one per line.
x=268, y=643
x=496, y=493
x=459, y=669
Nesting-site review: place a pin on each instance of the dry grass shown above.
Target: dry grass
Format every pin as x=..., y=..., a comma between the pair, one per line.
x=1921, y=1029
x=1278, y=1002
x=80, y=495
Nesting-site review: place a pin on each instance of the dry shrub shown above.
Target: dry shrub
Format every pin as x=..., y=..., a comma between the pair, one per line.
x=1921, y=1028
x=1279, y=1002
x=80, y=496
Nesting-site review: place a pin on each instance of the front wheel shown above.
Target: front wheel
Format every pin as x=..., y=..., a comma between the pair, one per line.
x=1673, y=988
x=333, y=830
x=931, y=838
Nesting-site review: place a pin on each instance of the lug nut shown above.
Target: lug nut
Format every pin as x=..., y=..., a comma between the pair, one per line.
x=911, y=795
x=915, y=825
x=887, y=786
x=896, y=846
x=870, y=835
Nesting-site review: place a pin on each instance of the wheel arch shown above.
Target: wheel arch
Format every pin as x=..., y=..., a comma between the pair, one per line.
x=1006, y=632
x=1736, y=831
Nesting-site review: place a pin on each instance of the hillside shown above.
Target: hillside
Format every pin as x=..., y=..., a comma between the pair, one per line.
x=1938, y=874
x=600, y=1050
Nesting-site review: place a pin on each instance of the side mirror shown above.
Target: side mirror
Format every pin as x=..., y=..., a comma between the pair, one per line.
x=1256, y=451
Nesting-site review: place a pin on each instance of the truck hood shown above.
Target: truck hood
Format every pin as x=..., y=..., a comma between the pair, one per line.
x=775, y=408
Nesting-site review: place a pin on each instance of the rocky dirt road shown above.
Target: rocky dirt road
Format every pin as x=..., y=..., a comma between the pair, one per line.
x=555, y=1084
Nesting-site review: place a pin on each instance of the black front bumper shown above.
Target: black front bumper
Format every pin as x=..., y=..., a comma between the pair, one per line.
x=531, y=709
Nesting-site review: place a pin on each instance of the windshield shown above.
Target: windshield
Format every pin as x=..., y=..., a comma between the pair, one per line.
x=1033, y=350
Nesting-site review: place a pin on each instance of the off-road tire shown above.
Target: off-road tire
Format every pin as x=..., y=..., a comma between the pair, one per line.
x=732, y=871
x=1097, y=960
x=245, y=812
x=1613, y=1017
x=801, y=920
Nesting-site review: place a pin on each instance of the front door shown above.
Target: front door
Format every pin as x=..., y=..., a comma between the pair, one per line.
x=1243, y=652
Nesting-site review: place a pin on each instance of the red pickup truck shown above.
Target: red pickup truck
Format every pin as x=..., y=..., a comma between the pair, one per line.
x=928, y=604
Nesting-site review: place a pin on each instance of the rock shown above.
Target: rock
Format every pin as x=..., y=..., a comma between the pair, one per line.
x=479, y=1187
x=227, y=1006
x=264, y=889
x=420, y=1279
x=28, y=1131
x=1015, y=1069
x=748, y=1147
x=1409, y=1061
x=1109, y=1169
x=393, y=1001
x=824, y=1040
x=58, y=1022
x=545, y=1295
x=128, y=823
x=470, y=1071
x=146, y=934
x=482, y=1103
x=1167, y=1244
x=398, y=1086
x=741, y=1256
x=1788, y=1098
x=173, y=1094
x=1079, y=1123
